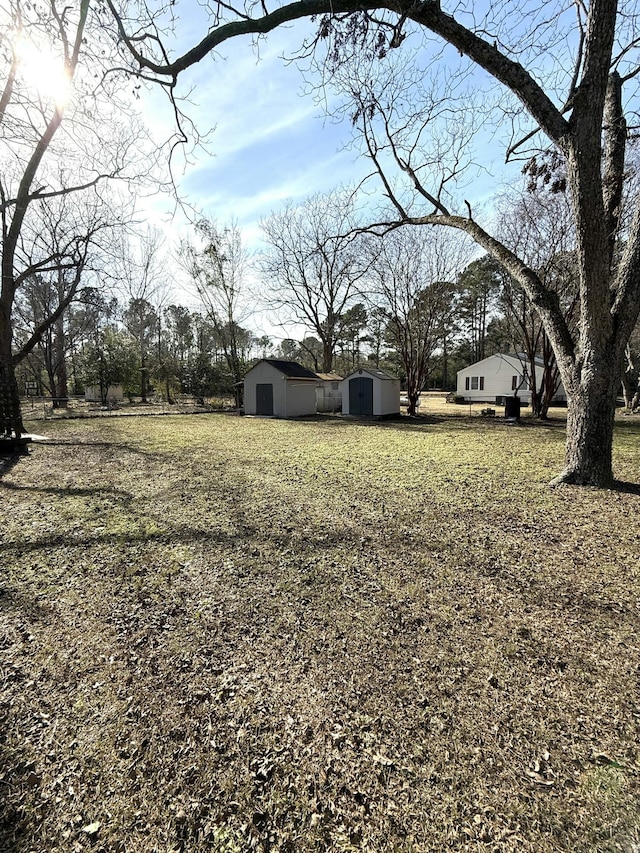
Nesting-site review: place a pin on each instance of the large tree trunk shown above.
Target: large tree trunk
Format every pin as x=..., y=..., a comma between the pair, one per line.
x=590, y=417
x=10, y=412
x=327, y=356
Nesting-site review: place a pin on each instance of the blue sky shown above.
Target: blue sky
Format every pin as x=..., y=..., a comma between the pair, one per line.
x=272, y=142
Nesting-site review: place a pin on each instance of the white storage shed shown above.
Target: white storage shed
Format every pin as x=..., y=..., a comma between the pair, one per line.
x=370, y=392
x=279, y=389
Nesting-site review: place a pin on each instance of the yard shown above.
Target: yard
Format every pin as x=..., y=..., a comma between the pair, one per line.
x=227, y=634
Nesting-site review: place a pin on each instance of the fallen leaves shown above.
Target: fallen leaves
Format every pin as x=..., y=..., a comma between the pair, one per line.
x=317, y=637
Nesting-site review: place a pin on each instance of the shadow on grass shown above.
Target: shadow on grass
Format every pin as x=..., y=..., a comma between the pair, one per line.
x=421, y=422
x=9, y=462
x=63, y=492
x=18, y=776
x=109, y=445
x=185, y=535
x=12, y=599
x=625, y=488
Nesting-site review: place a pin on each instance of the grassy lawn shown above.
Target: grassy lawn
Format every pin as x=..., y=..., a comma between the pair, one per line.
x=226, y=634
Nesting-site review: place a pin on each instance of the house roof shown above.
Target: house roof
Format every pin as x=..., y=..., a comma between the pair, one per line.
x=373, y=371
x=514, y=361
x=289, y=368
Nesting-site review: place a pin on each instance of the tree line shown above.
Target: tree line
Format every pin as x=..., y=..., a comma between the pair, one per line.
x=426, y=88
x=418, y=305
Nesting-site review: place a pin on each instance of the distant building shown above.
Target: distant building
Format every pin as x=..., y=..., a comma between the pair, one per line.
x=92, y=394
x=497, y=377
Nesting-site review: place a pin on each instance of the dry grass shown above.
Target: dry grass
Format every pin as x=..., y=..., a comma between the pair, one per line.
x=224, y=634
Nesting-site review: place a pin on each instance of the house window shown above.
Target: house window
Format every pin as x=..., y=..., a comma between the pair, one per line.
x=482, y=383
x=474, y=383
x=514, y=383
x=334, y=386
x=466, y=383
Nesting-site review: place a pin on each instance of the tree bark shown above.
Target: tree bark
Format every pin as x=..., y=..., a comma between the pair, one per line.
x=10, y=414
x=327, y=356
x=591, y=411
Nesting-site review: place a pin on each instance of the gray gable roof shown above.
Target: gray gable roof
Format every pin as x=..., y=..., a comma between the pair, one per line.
x=372, y=371
x=291, y=368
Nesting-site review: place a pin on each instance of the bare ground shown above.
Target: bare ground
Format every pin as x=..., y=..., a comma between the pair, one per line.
x=225, y=634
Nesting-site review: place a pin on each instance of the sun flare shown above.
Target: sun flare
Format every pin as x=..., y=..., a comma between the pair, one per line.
x=43, y=72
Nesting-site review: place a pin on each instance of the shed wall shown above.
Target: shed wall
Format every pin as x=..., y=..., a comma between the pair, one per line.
x=389, y=397
x=292, y=398
x=329, y=399
x=92, y=393
x=300, y=398
x=386, y=395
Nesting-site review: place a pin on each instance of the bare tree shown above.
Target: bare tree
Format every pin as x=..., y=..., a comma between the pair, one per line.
x=37, y=300
x=218, y=270
x=412, y=282
x=563, y=73
x=53, y=151
x=315, y=266
x=59, y=260
x=539, y=225
x=142, y=271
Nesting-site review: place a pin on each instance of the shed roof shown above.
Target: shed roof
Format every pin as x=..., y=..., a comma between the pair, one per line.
x=373, y=371
x=329, y=377
x=289, y=368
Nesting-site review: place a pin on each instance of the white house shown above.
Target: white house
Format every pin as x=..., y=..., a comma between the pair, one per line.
x=329, y=392
x=279, y=389
x=370, y=392
x=497, y=377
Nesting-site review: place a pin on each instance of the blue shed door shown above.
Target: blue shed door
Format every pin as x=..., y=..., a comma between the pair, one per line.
x=361, y=395
x=264, y=398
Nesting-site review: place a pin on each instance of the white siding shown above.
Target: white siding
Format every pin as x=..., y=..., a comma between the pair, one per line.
x=265, y=373
x=300, y=397
x=386, y=400
x=496, y=374
x=92, y=393
x=329, y=399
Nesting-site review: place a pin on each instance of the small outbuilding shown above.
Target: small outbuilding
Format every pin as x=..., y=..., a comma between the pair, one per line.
x=279, y=389
x=93, y=394
x=329, y=392
x=370, y=392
